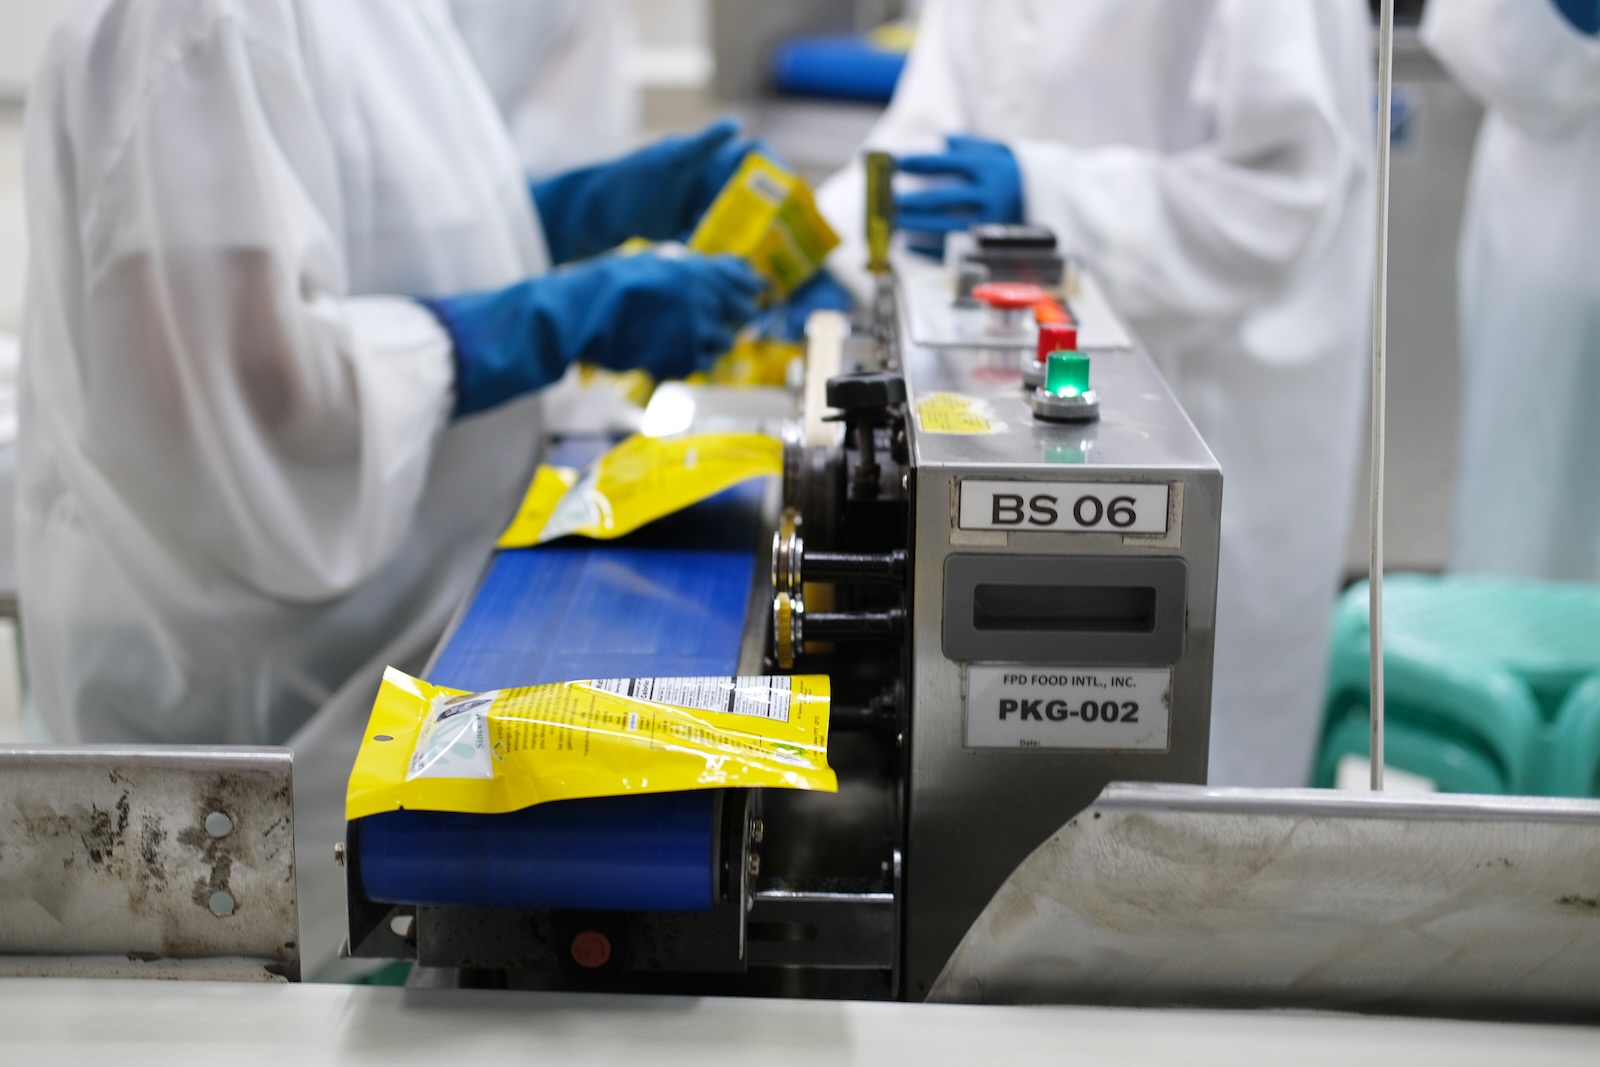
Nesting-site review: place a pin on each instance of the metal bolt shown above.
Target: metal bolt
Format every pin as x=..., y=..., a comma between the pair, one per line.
x=758, y=832
x=755, y=864
x=218, y=824
x=338, y=853
x=222, y=903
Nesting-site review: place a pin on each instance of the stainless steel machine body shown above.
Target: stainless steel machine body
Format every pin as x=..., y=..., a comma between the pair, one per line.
x=1064, y=596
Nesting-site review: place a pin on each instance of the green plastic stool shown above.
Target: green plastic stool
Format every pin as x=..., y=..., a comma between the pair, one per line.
x=1473, y=665
x=1455, y=704
x=1452, y=767
x=1546, y=634
x=1574, y=765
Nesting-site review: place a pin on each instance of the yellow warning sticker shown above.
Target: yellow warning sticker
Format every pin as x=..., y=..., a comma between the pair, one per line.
x=955, y=413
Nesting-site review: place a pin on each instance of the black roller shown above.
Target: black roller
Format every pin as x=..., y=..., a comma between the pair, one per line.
x=854, y=626
x=881, y=568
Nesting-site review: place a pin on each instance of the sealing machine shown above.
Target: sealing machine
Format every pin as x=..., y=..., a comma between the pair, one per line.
x=999, y=540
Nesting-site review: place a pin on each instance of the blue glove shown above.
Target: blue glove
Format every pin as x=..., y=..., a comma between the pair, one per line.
x=1583, y=14
x=987, y=188
x=657, y=193
x=787, y=321
x=670, y=317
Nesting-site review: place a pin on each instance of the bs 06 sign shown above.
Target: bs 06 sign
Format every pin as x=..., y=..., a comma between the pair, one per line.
x=1080, y=507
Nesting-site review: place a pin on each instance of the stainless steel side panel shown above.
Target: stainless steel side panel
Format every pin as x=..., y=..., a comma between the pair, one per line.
x=1171, y=895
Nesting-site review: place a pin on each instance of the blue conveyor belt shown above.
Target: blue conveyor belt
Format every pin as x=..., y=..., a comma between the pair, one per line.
x=582, y=611
x=667, y=601
x=650, y=852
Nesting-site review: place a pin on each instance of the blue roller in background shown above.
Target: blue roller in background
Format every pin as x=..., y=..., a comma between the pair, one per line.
x=842, y=68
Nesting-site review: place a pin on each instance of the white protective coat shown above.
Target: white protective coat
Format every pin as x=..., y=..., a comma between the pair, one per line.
x=1528, y=494
x=1210, y=161
x=241, y=493
x=558, y=70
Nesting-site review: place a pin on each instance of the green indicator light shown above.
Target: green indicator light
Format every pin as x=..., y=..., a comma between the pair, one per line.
x=1067, y=374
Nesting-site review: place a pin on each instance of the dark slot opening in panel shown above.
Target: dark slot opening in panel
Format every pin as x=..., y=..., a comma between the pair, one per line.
x=1065, y=608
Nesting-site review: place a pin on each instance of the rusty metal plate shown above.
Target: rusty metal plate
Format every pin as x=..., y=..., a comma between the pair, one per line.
x=160, y=861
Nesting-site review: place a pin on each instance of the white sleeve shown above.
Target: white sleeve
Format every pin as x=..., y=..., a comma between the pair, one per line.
x=560, y=73
x=929, y=101
x=1522, y=58
x=580, y=105
x=268, y=425
x=1208, y=231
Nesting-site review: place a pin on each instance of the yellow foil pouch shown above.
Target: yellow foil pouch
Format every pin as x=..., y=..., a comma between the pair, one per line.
x=437, y=749
x=639, y=481
x=766, y=215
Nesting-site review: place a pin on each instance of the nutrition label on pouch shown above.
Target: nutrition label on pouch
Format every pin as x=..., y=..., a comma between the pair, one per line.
x=763, y=697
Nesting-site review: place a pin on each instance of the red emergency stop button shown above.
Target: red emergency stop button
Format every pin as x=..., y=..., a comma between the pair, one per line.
x=1009, y=296
x=591, y=950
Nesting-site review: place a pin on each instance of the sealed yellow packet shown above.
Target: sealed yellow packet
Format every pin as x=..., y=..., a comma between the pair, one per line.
x=767, y=215
x=639, y=481
x=437, y=749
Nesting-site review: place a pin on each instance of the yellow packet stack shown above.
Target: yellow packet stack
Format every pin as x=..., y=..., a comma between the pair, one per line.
x=639, y=481
x=437, y=749
x=634, y=386
x=753, y=361
x=767, y=215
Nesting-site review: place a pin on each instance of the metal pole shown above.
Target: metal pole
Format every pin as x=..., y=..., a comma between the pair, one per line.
x=1380, y=334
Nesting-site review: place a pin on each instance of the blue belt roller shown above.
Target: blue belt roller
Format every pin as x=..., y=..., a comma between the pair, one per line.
x=843, y=68
x=668, y=601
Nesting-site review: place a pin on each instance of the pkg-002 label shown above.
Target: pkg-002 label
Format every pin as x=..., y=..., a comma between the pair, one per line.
x=1090, y=708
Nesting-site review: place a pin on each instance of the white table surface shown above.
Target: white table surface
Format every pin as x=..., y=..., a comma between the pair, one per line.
x=128, y=1023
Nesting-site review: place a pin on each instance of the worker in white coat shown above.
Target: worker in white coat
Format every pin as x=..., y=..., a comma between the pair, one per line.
x=288, y=311
x=558, y=71
x=1209, y=161
x=1528, y=495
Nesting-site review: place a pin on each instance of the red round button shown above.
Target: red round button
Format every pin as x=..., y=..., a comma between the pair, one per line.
x=591, y=949
x=1009, y=296
x=1056, y=337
